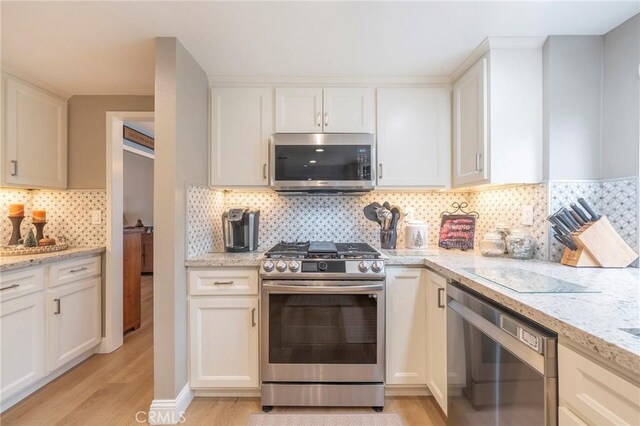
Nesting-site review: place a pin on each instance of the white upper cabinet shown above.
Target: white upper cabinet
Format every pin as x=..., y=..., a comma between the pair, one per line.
x=330, y=110
x=299, y=110
x=241, y=123
x=347, y=110
x=497, y=115
x=414, y=137
x=34, y=141
x=470, y=125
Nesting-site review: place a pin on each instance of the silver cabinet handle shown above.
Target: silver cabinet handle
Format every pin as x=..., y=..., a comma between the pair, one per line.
x=223, y=282
x=479, y=162
x=264, y=171
x=10, y=287
x=318, y=122
x=57, y=311
x=253, y=317
x=326, y=118
x=380, y=170
x=440, y=302
x=14, y=163
x=73, y=271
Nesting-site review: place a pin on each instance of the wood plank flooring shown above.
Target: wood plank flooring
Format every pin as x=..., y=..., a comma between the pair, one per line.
x=110, y=389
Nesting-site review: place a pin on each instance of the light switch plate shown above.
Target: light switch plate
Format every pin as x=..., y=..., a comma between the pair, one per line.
x=527, y=215
x=96, y=217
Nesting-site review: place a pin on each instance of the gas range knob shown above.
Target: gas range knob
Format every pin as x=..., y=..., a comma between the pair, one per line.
x=377, y=266
x=268, y=266
x=281, y=266
x=294, y=265
x=363, y=266
x=322, y=266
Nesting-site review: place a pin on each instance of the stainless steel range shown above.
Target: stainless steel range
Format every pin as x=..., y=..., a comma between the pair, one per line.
x=322, y=325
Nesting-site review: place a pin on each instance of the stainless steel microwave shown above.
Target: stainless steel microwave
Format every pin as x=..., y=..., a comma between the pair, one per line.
x=322, y=162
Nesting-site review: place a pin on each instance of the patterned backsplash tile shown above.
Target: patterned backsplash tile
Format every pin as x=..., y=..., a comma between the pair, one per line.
x=204, y=210
x=68, y=214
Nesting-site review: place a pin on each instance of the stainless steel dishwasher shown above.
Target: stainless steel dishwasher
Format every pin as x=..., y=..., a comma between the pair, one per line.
x=502, y=369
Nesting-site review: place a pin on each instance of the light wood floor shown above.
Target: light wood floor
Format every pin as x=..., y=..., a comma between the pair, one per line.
x=110, y=389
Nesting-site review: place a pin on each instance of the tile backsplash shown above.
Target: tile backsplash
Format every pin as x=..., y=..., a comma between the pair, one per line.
x=68, y=214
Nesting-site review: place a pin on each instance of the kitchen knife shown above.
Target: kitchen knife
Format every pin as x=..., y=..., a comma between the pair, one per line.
x=579, y=212
x=577, y=218
x=564, y=221
x=570, y=219
x=565, y=241
x=553, y=219
x=587, y=207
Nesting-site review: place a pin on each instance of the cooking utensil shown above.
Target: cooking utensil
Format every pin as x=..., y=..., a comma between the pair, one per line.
x=570, y=219
x=577, y=218
x=386, y=205
x=394, y=219
x=594, y=216
x=566, y=241
x=370, y=212
x=553, y=219
x=562, y=218
x=579, y=212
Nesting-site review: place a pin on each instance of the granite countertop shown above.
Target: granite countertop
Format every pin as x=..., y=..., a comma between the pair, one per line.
x=221, y=259
x=8, y=263
x=592, y=320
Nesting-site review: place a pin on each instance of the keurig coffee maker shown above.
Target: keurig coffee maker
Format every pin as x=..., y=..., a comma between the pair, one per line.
x=240, y=229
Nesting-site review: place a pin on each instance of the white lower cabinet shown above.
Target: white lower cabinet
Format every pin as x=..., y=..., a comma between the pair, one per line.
x=22, y=351
x=437, y=338
x=406, y=334
x=224, y=328
x=73, y=317
x=591, y=394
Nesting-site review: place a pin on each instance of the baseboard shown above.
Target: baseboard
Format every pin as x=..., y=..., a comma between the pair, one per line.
x=10, y=402
x=228, y=393
x=170, y=411
x=406, y=390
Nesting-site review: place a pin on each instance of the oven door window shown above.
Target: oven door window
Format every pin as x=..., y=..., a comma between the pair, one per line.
x=323, y=328
x=323, y=162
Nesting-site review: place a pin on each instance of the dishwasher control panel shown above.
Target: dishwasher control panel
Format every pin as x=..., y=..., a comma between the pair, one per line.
x=521, y=333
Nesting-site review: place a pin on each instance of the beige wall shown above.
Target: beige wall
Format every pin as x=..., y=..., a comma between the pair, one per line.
x=181, y=124
x=87, y=136
x=138, y=189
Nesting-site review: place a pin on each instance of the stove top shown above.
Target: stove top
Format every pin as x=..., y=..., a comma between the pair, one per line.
x=321, y=250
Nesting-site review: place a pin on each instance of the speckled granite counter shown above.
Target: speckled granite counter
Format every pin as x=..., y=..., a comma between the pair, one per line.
x=8, y=263
x=592, y=320
x=226, y=259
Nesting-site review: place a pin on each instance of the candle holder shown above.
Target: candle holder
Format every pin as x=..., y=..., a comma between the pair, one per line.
x=15, y=234
x=39, y=230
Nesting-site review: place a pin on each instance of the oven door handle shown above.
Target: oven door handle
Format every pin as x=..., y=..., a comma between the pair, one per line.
x=365, y=288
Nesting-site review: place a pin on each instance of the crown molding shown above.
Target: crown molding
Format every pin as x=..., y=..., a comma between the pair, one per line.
x=439, y=81
x=35, y=82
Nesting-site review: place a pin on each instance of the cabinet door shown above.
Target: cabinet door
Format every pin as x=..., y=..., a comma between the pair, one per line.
x=470, y=162
x=406, y=327
x=231, y=324
x=298, y=110
x=22, y=349
x=35, y=137
x=131, y=280
x=241, y=123
x=437, y=338
x=74, y=321
x=414, y=137
x=347, y=110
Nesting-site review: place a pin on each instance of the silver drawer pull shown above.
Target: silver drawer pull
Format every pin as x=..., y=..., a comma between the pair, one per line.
x=84, y=268
x=223, y=282
x=253, y=317
x=14, y=163
x=57, y=311
x=10, y=287
x=440, y=294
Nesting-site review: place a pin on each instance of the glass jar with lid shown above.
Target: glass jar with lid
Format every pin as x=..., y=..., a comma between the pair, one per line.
x=520, y=245
x=492, y=244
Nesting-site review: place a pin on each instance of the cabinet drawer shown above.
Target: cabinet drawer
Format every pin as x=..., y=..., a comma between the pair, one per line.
x=595, y=394
x=73, y=270
x=223, y=281
x=21, y=282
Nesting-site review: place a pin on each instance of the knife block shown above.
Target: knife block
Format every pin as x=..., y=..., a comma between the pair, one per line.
x=599, y=245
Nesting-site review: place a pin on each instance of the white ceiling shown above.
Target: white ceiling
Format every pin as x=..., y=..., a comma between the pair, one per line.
x=107, y=47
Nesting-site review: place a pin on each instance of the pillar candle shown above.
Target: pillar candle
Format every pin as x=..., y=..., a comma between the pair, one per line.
x=39, y=216
x=16, y=210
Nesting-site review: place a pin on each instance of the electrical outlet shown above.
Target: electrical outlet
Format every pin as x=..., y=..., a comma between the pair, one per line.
x=527, y=215
x=96, y=217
